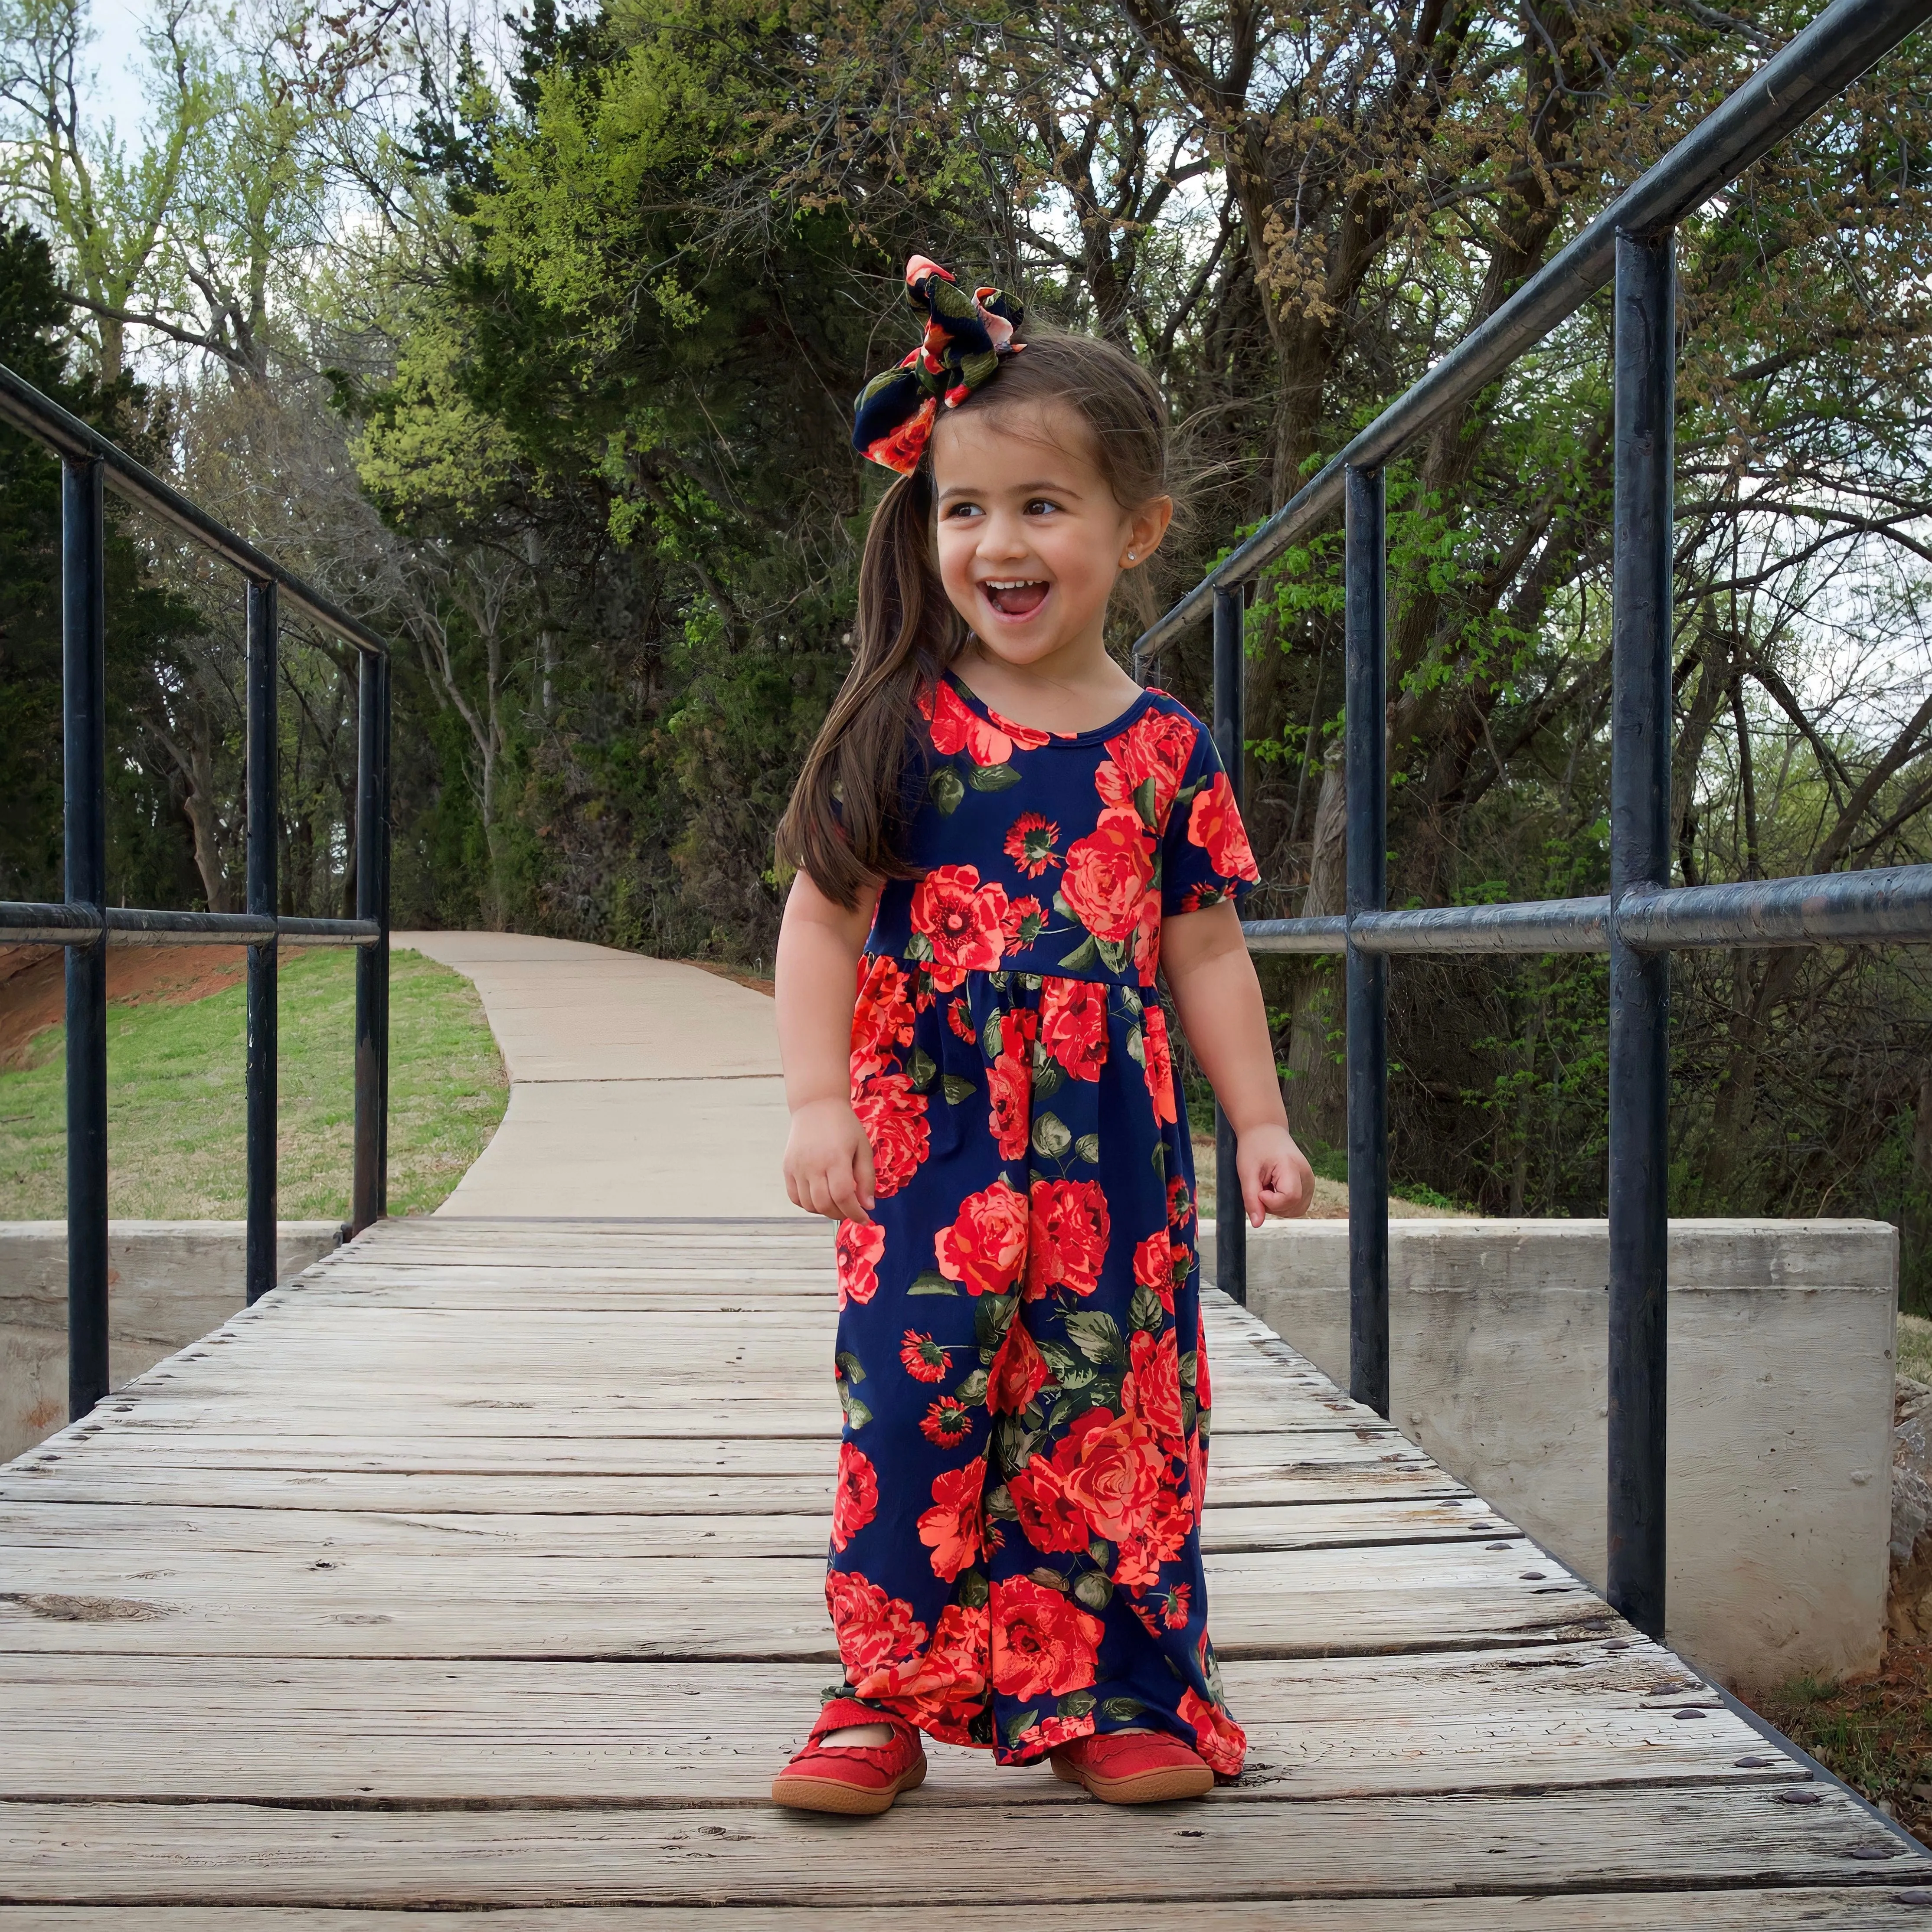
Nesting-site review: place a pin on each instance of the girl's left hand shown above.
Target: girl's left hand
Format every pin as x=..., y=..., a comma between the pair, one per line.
x=1274, y=1174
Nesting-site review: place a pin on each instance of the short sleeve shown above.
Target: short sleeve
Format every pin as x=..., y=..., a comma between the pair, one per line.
x=1204, y=856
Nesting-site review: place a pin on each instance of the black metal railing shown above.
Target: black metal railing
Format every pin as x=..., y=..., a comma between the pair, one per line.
x=1643, y=917
x=84, y=923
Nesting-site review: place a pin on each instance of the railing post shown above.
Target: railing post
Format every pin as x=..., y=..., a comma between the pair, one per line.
x=1645, y=385
x=384, y=790
x=371, y=961
x=84, y=761
x=263, y=965
x=1365, y=625
x=1230, y=1222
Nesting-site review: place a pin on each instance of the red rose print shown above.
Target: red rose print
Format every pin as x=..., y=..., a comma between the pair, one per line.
x=948, y=1423
x=1219, y=1739
x=1157, y=1064
x=952, y=1529
x=1073, y=1025
x=962, y=919
x=881, y=1019
x=959, y=1018
x=1049, y=1518
x=1146, y=940
x=1154, y=1268
x=856, y=1500
x=1049, y=1732
x=1157, y=745
x=1174, y=1607
x=1107, y=873
x=1044, y=1644
x=985, y=1247
x=1066, y=1240
x=1110, y=1466
x=874, y=1631
x=1029, y=844
x=1024, y=919
x=956, y=727
x=1202, y=1393
x=1155, y=1539
x=1215, y=825
x=902, y=449
x=1179, y=1202
x=1009, y=1092
x=924, y=1359
x=856, y=1249
x=949, y=1683
x=894, y=1118
x=1018, y=1372
x=1156, y=1380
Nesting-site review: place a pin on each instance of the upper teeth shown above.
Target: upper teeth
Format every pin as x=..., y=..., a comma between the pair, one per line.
x=1012, y=583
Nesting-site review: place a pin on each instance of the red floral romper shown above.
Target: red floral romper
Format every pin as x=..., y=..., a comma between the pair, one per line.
x=1015, y=1545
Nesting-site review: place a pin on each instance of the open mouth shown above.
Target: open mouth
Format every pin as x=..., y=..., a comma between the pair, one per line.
x=1013, y=596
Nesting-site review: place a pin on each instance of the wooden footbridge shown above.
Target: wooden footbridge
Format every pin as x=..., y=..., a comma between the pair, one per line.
x=477, y=1571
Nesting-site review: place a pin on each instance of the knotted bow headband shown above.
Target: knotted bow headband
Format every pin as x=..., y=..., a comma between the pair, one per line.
x=965, y=338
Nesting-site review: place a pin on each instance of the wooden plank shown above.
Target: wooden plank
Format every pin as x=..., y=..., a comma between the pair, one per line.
x=1815, y=1909
x=387, y=1733
x=1599, y=1840
x=154, y=1532
x=372, y=1604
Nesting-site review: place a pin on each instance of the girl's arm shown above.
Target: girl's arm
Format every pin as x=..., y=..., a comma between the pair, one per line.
x=1219, y=1001
x=828, y=1162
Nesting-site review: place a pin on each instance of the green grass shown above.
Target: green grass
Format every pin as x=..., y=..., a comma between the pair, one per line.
x=175, y=1120
x=1914, y=1348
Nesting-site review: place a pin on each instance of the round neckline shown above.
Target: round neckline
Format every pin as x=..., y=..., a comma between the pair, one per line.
x=1099, y=733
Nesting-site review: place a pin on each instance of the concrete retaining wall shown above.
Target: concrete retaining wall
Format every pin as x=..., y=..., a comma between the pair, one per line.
x=1780, y=1416
x=169, y=1282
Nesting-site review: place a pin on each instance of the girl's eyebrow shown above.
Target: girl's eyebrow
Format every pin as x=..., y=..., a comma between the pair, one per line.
x=1047, y=489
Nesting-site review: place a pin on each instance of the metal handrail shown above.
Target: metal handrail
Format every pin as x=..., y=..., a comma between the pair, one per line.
x=1838, y=46
x=1643, y=918
x=25, y=409
x=84, y=924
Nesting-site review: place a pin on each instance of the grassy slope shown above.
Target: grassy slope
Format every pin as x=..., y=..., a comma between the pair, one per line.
x=175, y=1119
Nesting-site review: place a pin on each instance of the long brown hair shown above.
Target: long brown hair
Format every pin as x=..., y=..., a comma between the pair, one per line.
x=848, y=811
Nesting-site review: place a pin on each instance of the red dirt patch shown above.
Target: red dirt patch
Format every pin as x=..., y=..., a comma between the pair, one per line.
x=1875, y=1732
x=736, y=974
x=33, y=981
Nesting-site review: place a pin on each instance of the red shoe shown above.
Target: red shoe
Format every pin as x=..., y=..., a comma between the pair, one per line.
x=858, y=1781
x=1134, y=1767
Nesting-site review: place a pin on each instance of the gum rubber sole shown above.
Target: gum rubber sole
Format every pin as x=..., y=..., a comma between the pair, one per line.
x=1150, y=1787
x=847, y=1801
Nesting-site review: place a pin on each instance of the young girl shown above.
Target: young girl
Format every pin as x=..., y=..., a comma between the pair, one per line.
x=1001, y=839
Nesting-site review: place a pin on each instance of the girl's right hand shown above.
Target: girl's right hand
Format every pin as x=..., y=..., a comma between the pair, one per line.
x=828, y=1162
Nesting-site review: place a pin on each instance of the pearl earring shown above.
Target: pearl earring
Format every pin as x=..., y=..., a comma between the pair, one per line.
x=1130, y=557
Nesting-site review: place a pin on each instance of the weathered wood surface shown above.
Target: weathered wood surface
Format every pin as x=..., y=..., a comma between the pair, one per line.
x=479, y=1572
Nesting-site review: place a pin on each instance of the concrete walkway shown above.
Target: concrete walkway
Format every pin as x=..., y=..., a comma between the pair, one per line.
x=637, y=1086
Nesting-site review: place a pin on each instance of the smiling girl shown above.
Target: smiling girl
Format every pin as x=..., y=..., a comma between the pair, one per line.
x=1002, y=842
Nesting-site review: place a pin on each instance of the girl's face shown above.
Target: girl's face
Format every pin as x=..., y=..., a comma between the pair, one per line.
x=1031, y=538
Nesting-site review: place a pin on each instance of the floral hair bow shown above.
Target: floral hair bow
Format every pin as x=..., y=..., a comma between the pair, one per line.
x=965, y=338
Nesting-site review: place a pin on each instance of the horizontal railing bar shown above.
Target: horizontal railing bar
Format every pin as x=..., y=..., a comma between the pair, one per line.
x=1828, y=56
x=38, y=416
x=23, y=923
x=1891, y=903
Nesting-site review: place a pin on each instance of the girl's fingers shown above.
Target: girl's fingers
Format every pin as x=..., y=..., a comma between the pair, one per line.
x=843, y=1184
x=867, y=1175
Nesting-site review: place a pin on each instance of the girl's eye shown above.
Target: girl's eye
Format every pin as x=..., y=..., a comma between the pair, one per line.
x=1040, y=505
x=958, y=510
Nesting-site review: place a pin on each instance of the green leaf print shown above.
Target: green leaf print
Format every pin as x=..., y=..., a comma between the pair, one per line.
x=1160, y=1160
x=1097, y=1335
x=919, y=947
x=992, y=1040
x=994, y=778
x=1132, y=1001
x=921, y=1066
x=1074, y=1704
x=1136, y=1046
x=1189, y=1404
x=1102, y=1552
x=1114, y=953
x=1051, y=1137
x=1049, y=1579
x=1190, y=1364
x=1145, y=1311
x=957, y=1089
x=1000, y=1505
x=1144, y=805
x=1018, y=1727
x=1082, y=956
x=1094, y=1589
x=1122, y=1710
x=946, y=790
x=1047, y=1074
x=972, y=1389
x=849, y=1363
x=992, y=1316
x=856, y=1414
x=972, y=1593
x=1087, y=1148
x=930, y=1283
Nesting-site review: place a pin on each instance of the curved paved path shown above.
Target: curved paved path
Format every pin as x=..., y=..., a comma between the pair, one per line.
x=637, y=1086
